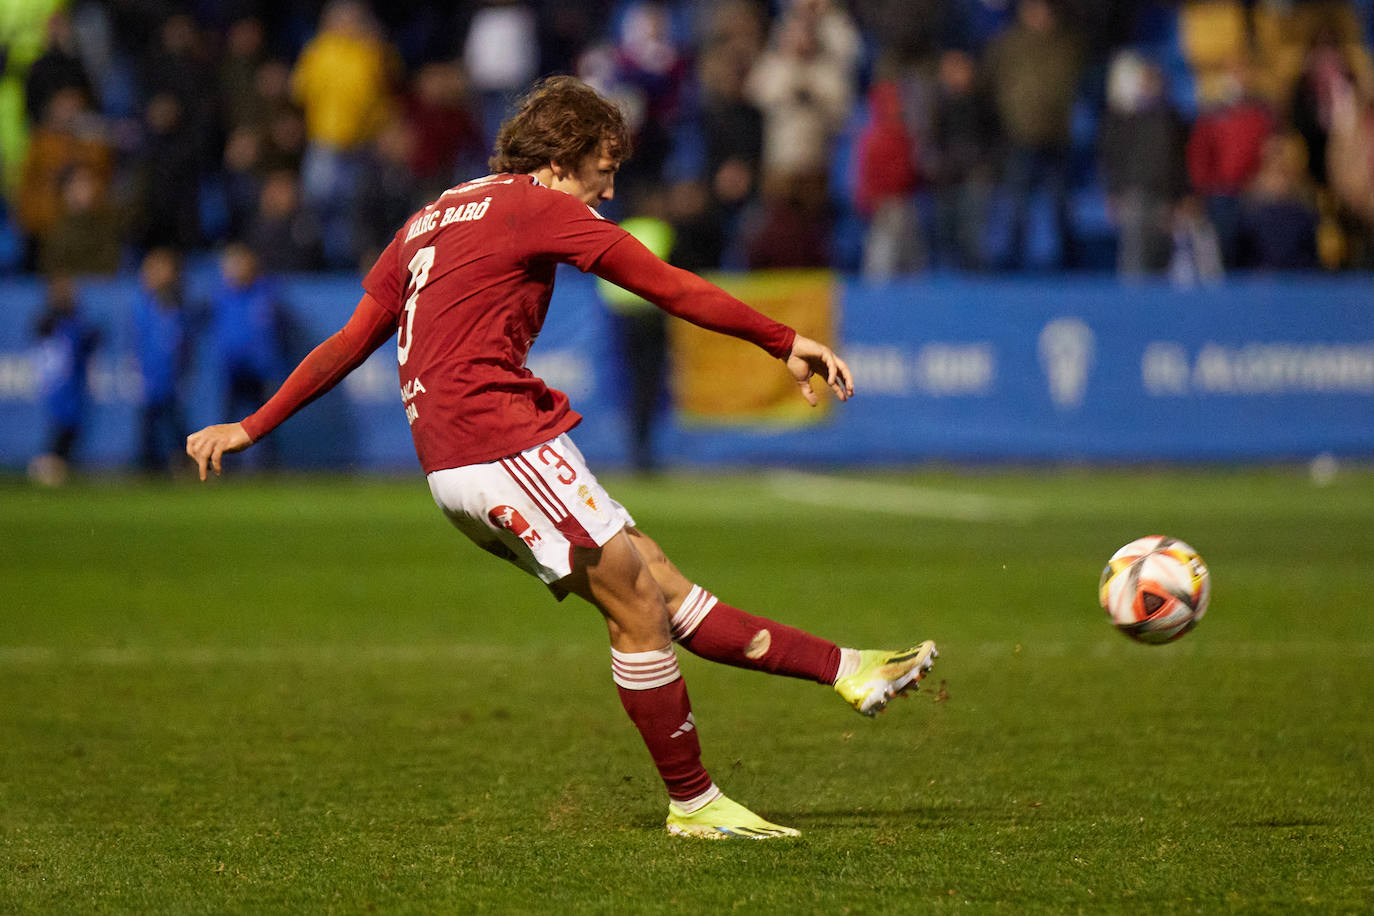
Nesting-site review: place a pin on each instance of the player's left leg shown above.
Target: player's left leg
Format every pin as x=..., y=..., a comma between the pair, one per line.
x=708, y=627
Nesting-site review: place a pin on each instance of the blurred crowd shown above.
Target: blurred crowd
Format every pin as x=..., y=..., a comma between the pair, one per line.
x=1180, y=139
x=885, y=137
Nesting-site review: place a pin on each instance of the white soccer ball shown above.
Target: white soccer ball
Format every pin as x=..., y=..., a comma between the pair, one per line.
x=1155, y=589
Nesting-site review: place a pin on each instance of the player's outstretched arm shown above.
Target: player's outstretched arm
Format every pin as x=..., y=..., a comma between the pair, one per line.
x=810, y=357
x=629, y=264
x=209, y=445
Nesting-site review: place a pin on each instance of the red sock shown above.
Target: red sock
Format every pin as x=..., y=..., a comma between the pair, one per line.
x=655, y=695
x=714, y=630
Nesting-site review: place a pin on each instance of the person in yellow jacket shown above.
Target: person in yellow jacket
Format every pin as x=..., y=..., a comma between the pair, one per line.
x=344, y=82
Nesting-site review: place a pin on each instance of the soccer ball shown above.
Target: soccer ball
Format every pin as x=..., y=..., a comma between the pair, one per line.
x=1155, y=589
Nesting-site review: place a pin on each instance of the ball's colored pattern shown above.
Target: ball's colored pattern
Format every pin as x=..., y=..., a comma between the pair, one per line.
x=1155, y=589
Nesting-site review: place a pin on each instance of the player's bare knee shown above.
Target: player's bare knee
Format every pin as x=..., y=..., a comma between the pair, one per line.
x=640, y=629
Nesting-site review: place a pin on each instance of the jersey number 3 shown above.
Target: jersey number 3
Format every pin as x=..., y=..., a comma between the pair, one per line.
x=419, y=275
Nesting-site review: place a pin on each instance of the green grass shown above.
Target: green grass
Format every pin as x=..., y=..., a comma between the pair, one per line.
x=310, y=695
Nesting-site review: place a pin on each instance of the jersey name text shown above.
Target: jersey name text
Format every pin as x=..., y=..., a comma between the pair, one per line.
x=434, y=219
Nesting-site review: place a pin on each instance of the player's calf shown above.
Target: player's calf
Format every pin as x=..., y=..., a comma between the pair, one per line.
x=708, y=627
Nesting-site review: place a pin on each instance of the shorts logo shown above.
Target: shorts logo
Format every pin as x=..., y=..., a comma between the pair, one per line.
x=509, y=518
x=585, y=494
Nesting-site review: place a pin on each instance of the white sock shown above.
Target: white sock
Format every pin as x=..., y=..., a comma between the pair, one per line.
x=692, y=805
x=849, y=663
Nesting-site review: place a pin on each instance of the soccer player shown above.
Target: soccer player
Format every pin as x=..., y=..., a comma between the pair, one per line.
x=464, y=286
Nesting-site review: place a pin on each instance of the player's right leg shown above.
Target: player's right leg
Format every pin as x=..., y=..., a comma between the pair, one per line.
x=614, y=578
x=544, y=511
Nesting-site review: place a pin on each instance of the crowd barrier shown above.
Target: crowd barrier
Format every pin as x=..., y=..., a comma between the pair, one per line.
x=1042, y=369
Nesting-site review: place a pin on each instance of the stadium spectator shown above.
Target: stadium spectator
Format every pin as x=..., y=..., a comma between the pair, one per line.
x=270, y=96
x=885, y=189
x=168, y=168
x=805, y=87
x=908, y=32
x=1224, y=152
x=446, y=135
x=501, y=55
x=286, y=237
x=25, y=31
x=1330, y=67
x=246, y=321
x=284, y=142
x=732, y=128
x=59, y=67
x=88, y=235
x=703, y=231
x=738, y=28
x=961, y=161
x=1278, y=214
x=178, y=64
x=239, y=93
x=344, y=81
x=1034, y=68
x=641, y=332
x=1143, y=190
x=792, y=224
x=162, y=343
x=493, y=438
x=66, y=341
x=387, y=194
x=70, y=134
x=977, y=22
x=241, y=178
x=1350, y=167
x=649, y=79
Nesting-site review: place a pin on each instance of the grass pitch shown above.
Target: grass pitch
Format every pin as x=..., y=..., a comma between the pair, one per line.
x=310, y=695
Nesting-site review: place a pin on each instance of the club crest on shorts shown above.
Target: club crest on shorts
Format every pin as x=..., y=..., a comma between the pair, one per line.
x=509, y=518
x=584, y=493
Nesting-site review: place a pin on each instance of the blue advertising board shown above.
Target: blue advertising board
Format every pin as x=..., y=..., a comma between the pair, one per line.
x=1256, y=369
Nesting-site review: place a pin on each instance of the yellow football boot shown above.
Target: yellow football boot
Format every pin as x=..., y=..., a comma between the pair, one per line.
x=884, y=674
x=723, y=819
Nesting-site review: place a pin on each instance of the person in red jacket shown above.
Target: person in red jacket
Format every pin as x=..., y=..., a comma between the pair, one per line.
x=885, y=190
x=464, y=286
x=1224, y=153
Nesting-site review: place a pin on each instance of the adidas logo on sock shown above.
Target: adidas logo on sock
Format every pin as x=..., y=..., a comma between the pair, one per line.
x=685, y=727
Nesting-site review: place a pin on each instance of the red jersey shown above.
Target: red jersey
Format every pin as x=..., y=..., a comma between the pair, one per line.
x=464, y=286
x=469, y=278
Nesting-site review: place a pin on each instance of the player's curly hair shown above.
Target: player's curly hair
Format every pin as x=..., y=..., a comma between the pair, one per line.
x=562, y=120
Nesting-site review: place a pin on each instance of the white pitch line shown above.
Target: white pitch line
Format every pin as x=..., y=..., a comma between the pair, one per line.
x=898, y=499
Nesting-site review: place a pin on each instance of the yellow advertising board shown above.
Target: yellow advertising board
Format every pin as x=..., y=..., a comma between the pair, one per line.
x=719, y=380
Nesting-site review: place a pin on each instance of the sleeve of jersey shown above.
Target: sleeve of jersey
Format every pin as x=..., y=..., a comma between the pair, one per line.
x=628, y=264
x=370, y=326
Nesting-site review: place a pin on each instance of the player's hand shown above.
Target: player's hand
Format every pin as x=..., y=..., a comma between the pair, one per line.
x=810, y=357
x=212, y=442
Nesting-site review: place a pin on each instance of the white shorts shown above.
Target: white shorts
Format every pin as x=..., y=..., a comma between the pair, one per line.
x=532, y=508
